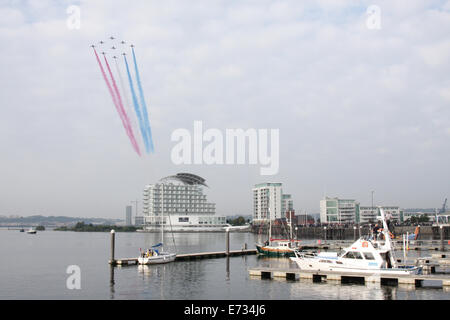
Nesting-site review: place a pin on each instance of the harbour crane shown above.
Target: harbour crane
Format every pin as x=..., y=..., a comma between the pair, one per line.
x=440, y=215
x=444, y=206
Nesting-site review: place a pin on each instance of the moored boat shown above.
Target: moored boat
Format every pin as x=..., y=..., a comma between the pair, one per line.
x=153, y=256
x=281, y=248
x=366, y=255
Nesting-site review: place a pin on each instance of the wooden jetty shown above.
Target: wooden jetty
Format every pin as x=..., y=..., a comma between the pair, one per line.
x=190, y=256
x=186, y=256
x=345, y=277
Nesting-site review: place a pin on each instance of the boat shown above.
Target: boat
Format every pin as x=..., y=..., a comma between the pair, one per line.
x=156, y=254
x=365, y=255
x=153, y=256
x=281, y=248
x=276, y=247
x=31, y=231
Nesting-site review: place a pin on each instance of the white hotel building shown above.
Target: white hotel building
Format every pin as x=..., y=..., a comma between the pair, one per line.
x=178, y=203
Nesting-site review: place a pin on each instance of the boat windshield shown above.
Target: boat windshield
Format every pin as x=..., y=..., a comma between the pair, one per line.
x=353, y=255
x=369, y=256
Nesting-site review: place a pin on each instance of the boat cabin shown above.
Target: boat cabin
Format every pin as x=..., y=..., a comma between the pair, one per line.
x=365, y=253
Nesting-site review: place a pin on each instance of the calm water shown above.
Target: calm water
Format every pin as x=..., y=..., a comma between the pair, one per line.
x=34, y=267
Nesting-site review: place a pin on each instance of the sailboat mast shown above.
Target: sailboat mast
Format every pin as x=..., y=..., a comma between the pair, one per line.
x=270, y=227
x=290, y=222
x=162, y=216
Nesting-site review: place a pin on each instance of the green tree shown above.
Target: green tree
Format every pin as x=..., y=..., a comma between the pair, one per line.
x=239, y=221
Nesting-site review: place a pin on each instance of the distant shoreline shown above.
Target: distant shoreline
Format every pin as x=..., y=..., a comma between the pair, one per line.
x=82, y=227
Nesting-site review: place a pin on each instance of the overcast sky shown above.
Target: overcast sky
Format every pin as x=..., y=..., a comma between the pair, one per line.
x=358, y=109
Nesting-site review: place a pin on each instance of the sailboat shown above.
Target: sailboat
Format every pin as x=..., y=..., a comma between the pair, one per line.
x=276, y=247
x=156, y=254
x=366, y=255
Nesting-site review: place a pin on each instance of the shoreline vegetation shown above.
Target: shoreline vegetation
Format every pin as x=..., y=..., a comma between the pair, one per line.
x=83, y=227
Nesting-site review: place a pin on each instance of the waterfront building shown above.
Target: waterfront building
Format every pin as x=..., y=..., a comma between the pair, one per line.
x=138, y=221
x=335, y=210
x=370, y=214
x=269, y=202
x=287, y=204
x=178, y=203
x=128, y=210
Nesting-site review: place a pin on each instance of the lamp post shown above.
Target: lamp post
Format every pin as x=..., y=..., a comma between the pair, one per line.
x=325, y=230
x=372, y=198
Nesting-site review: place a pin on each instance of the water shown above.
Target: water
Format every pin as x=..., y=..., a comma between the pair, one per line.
x=34, y=267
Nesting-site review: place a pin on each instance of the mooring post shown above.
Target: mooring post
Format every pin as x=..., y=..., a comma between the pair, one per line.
x=113, y=238
x=228, y=241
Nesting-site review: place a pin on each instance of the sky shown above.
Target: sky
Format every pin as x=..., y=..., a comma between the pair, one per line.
x=358, y=108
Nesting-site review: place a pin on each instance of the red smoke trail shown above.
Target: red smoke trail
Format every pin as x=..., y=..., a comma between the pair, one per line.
x=122, y=110
x=125, y=121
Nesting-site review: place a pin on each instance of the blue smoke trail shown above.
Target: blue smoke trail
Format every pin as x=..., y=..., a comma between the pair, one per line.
x=136, y=109
x=144, y=107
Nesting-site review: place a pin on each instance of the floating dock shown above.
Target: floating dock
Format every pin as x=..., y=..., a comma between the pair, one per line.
x=345, y=277
x=191, y=256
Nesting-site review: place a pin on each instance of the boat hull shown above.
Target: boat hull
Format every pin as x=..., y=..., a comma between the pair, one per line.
x=316, y=265
x=274, y=251
x=159, y=259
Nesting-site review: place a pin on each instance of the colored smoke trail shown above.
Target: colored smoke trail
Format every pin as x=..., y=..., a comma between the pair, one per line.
x=126, y=100
x=106, y=79
x=112, y=93
x=144, y=107
x=136, y=108
x=124, y=117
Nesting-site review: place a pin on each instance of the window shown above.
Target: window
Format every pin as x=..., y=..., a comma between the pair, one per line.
x=349, y=255
x=331, y=203
x=183, y=219
x=369, y=255
x=353, y=255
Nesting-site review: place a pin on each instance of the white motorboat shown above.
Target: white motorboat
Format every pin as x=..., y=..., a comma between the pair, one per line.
x=31, y=231
x=365, y=255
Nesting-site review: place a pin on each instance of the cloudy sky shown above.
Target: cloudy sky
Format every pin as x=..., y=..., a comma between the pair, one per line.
x=358, y=108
